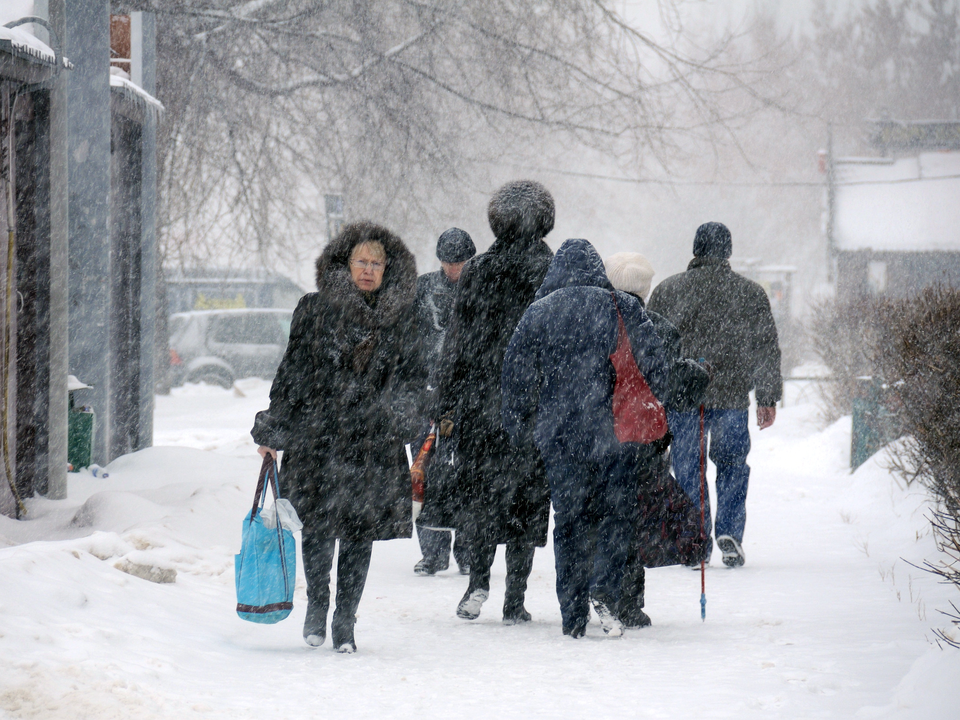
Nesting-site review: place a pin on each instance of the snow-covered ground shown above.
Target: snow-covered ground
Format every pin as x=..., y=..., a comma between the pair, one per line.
x=826, y=620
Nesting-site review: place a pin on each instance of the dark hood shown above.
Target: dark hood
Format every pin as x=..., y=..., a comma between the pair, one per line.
x=576, y=264
x=395, y=294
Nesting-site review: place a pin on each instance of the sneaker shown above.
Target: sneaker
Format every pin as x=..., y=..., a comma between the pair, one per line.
x=609, y=622
x=516, y=617
x=347, y=648
x=469, y=607
x=424, y=568
x=732, y=551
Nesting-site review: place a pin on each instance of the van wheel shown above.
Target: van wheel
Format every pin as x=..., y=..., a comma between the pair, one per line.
x=213, y=376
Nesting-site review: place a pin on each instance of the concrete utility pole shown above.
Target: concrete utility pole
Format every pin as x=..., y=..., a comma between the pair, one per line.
x=59, y=270
x=87, y=44
x=143, y=71
x=831, y=207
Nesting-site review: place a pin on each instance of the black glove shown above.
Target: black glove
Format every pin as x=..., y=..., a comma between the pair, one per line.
x=660, y=446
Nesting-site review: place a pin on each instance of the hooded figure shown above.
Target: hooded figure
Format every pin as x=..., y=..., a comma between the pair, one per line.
x=558, y=383
x=726, y=319
x=504, y=496
x=342, y=405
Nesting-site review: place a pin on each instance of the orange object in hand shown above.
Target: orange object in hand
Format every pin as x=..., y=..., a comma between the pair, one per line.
x=418, y=470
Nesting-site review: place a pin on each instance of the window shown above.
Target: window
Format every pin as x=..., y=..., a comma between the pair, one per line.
x=877, y=277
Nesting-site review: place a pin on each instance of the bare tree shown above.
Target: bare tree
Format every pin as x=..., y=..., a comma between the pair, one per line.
x=270, y=103
x=891, y=58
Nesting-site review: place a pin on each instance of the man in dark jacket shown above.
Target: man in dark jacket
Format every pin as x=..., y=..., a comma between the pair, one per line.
x=503, y=488
x=558, y=383
x=435, y=293
x=725, y=319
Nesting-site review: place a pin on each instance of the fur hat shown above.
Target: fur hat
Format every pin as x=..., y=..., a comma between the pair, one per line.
x=713, y=241
x=455, y=246
x=521, y=210
x=630, y=272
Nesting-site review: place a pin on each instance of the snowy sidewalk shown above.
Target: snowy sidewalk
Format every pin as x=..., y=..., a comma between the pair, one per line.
x=824, y=621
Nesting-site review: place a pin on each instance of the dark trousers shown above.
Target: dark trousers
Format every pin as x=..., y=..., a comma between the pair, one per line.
x=353, y=562
x=728, y=439
x=519, y=564
x=649, y=466
x=435, y=547
x=594, y=511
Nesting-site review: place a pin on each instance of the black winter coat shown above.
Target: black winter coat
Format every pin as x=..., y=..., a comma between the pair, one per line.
x=345, y=398
x=503, y=488
x=726, y=319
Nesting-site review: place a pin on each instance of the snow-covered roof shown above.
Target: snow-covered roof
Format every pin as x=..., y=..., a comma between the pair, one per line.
x=17, y=41
x=909, y=204
x=136, y=94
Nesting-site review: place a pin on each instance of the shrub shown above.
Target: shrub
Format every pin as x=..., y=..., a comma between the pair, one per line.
x=845, y=336
x=913, y=345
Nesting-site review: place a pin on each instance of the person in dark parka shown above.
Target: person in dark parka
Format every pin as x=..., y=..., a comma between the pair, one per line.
x=725, y=319
x=558, y=383
x=435, y=293
x=342, y=405
x=504, y=489
x=632, y=273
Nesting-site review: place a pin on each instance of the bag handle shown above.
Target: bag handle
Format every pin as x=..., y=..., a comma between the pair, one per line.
x=259, y=497
x=260, y=494
x=621, y=327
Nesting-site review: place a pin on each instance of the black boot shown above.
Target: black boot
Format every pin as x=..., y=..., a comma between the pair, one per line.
x=519, y=565
x=315, y=624
x=317, y=559
x=342, y=629
x=352, y=565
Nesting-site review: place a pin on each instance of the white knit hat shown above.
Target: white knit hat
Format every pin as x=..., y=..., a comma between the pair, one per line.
x=630, y=272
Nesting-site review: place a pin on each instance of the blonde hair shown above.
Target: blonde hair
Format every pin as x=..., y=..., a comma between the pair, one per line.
x=375, y=248
x=630, y=272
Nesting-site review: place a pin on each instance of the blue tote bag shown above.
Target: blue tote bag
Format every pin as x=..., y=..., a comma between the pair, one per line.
x=266, y=568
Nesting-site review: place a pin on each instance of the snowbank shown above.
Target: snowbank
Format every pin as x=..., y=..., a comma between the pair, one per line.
x=827, y=618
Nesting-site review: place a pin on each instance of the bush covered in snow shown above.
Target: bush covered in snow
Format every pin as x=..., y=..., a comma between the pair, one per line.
x=846, y=336
x=914, y=346
x=923, y=360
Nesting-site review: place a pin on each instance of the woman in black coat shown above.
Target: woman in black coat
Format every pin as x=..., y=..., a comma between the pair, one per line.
x=503, y=488
x=343, y=403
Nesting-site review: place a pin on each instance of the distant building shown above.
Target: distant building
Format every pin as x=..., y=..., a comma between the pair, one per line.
x=777, y=282
x=896, y=219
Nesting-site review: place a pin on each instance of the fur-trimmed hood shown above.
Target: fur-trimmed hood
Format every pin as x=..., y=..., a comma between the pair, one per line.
x=395, y=294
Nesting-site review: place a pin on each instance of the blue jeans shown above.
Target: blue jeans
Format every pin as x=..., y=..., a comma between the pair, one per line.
x=594, y=510
x=728, y=440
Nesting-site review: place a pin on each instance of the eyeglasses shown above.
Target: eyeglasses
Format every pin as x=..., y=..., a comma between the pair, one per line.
x=376, y=265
